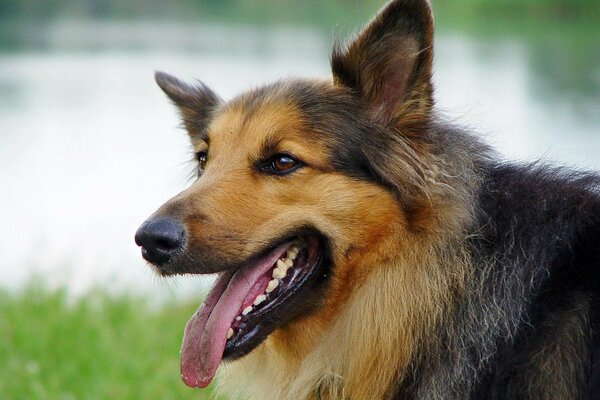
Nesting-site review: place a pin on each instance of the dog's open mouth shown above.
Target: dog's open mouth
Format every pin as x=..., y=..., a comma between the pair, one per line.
x=245, y=305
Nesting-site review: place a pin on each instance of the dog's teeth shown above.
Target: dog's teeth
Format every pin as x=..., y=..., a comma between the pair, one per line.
x=284, y=264
x=272, y=285
x=238, y=318
x=259, y=299
x=292, y=253
x=247, y=310
x=288, y=262
x=229, y=333
x=278, y=272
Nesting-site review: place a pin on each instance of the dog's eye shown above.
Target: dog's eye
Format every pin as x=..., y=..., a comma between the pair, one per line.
x=201, y=158
x=281, y=164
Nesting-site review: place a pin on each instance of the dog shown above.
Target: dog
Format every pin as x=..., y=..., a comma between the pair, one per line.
x=366, y=249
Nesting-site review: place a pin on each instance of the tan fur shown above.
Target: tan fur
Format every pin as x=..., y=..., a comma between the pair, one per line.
x=390, y=284
x=365, y=348
x=397, y=257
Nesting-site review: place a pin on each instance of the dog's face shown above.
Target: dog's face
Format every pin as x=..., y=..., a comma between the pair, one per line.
x=297, y=191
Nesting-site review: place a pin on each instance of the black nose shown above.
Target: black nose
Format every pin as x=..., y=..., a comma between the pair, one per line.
x=160, y=238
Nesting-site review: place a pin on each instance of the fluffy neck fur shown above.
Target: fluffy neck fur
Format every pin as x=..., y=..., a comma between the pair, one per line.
x=375, y=339
x=366, y=349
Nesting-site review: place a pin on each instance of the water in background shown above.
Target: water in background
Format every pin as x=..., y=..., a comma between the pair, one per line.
x=89, y=146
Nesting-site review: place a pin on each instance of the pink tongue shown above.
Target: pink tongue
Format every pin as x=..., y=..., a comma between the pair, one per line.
x=205, y=334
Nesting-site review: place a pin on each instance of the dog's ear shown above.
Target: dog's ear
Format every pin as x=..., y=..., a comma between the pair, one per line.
x=389, y=64
x=196, y=103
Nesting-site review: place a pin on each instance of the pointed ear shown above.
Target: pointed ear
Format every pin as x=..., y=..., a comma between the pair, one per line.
x=389, y=64
x=196, y=103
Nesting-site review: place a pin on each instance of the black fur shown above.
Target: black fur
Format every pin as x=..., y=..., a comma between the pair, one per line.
x=545, y=224
x=535, y=248
x=537, y=264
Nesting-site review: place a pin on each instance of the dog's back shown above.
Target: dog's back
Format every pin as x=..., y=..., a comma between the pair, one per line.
x=540, y=259
x=528, y=323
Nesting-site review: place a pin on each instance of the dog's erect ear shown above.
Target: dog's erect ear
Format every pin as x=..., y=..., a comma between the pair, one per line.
x=196, y=103
x=389, y=63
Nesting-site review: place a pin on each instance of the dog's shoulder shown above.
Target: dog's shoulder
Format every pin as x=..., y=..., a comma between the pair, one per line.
x=538, y=233
x=540, y=206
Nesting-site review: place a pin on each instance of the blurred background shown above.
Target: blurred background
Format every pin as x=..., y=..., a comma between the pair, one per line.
x=89, y=147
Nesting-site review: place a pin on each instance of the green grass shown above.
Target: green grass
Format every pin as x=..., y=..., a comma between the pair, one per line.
x=93, y=347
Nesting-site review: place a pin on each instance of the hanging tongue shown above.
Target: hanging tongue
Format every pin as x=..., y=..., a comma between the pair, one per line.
x=205, y=334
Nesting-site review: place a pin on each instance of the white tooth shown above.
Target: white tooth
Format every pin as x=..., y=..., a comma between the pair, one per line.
x=238, y=318
x=281, y=264
x=229, y=333
x=247, y=310
x=279, y=273
x=272, y=285
x=292, y=254
x=288, y=262
x=259, y=299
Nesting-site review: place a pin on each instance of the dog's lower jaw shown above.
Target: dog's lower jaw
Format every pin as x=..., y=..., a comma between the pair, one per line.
x=361, y=354
x=272, y=372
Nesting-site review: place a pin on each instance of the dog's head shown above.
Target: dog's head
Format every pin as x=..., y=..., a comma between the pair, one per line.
x=303, y=185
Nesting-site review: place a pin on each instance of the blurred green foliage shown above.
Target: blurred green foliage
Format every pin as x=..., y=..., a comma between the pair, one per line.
x=21, y=19
x=286, y=11
x=94, y=347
